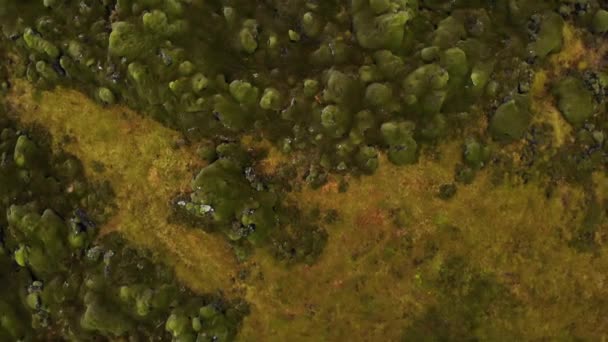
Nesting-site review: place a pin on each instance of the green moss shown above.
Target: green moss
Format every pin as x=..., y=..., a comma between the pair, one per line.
x=378, y=94
x=106, y=96
x=155, y=22
x=105, y=321
x=248, y=36
x=403, y=149
x=455, y=62
x=271, y=99
x=340, y=87
x=39, y=44
x=549, y=39
x=574, y=101
x=390, y=65
x=231, y=114
x=127, y=41
x=26, y=153
x=67, y=282
x=244, y=92
x=448, y=32
x=429, y=54
x=335, y=120
x=311, y=24
x=511, y=119
x=384, y=31
x=475, y=154
x=600, y=21
x=424, y=88
x=367, y=159
x=337, y=86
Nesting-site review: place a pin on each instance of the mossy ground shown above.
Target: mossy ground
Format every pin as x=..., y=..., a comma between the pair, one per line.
x=143, y=162
x=496, y=233
x=390, y=246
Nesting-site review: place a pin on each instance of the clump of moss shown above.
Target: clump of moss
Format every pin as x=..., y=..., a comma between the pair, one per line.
x=403, y=149
x=575, y=101
x=381, y=25
x=549, y=38
x=600, y=21
x=231, y=198
x=511, y=119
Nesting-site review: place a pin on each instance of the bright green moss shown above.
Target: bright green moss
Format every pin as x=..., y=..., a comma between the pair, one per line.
x=21, y=256
x=156, y=22
x=293, y=36
x=39, y=44
x=244, y=92
x=385, y=31
x=271, y=99
x=248, y=36
x=176, y=325
x=127, y=41
x=180, y=86
x=199, y=82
